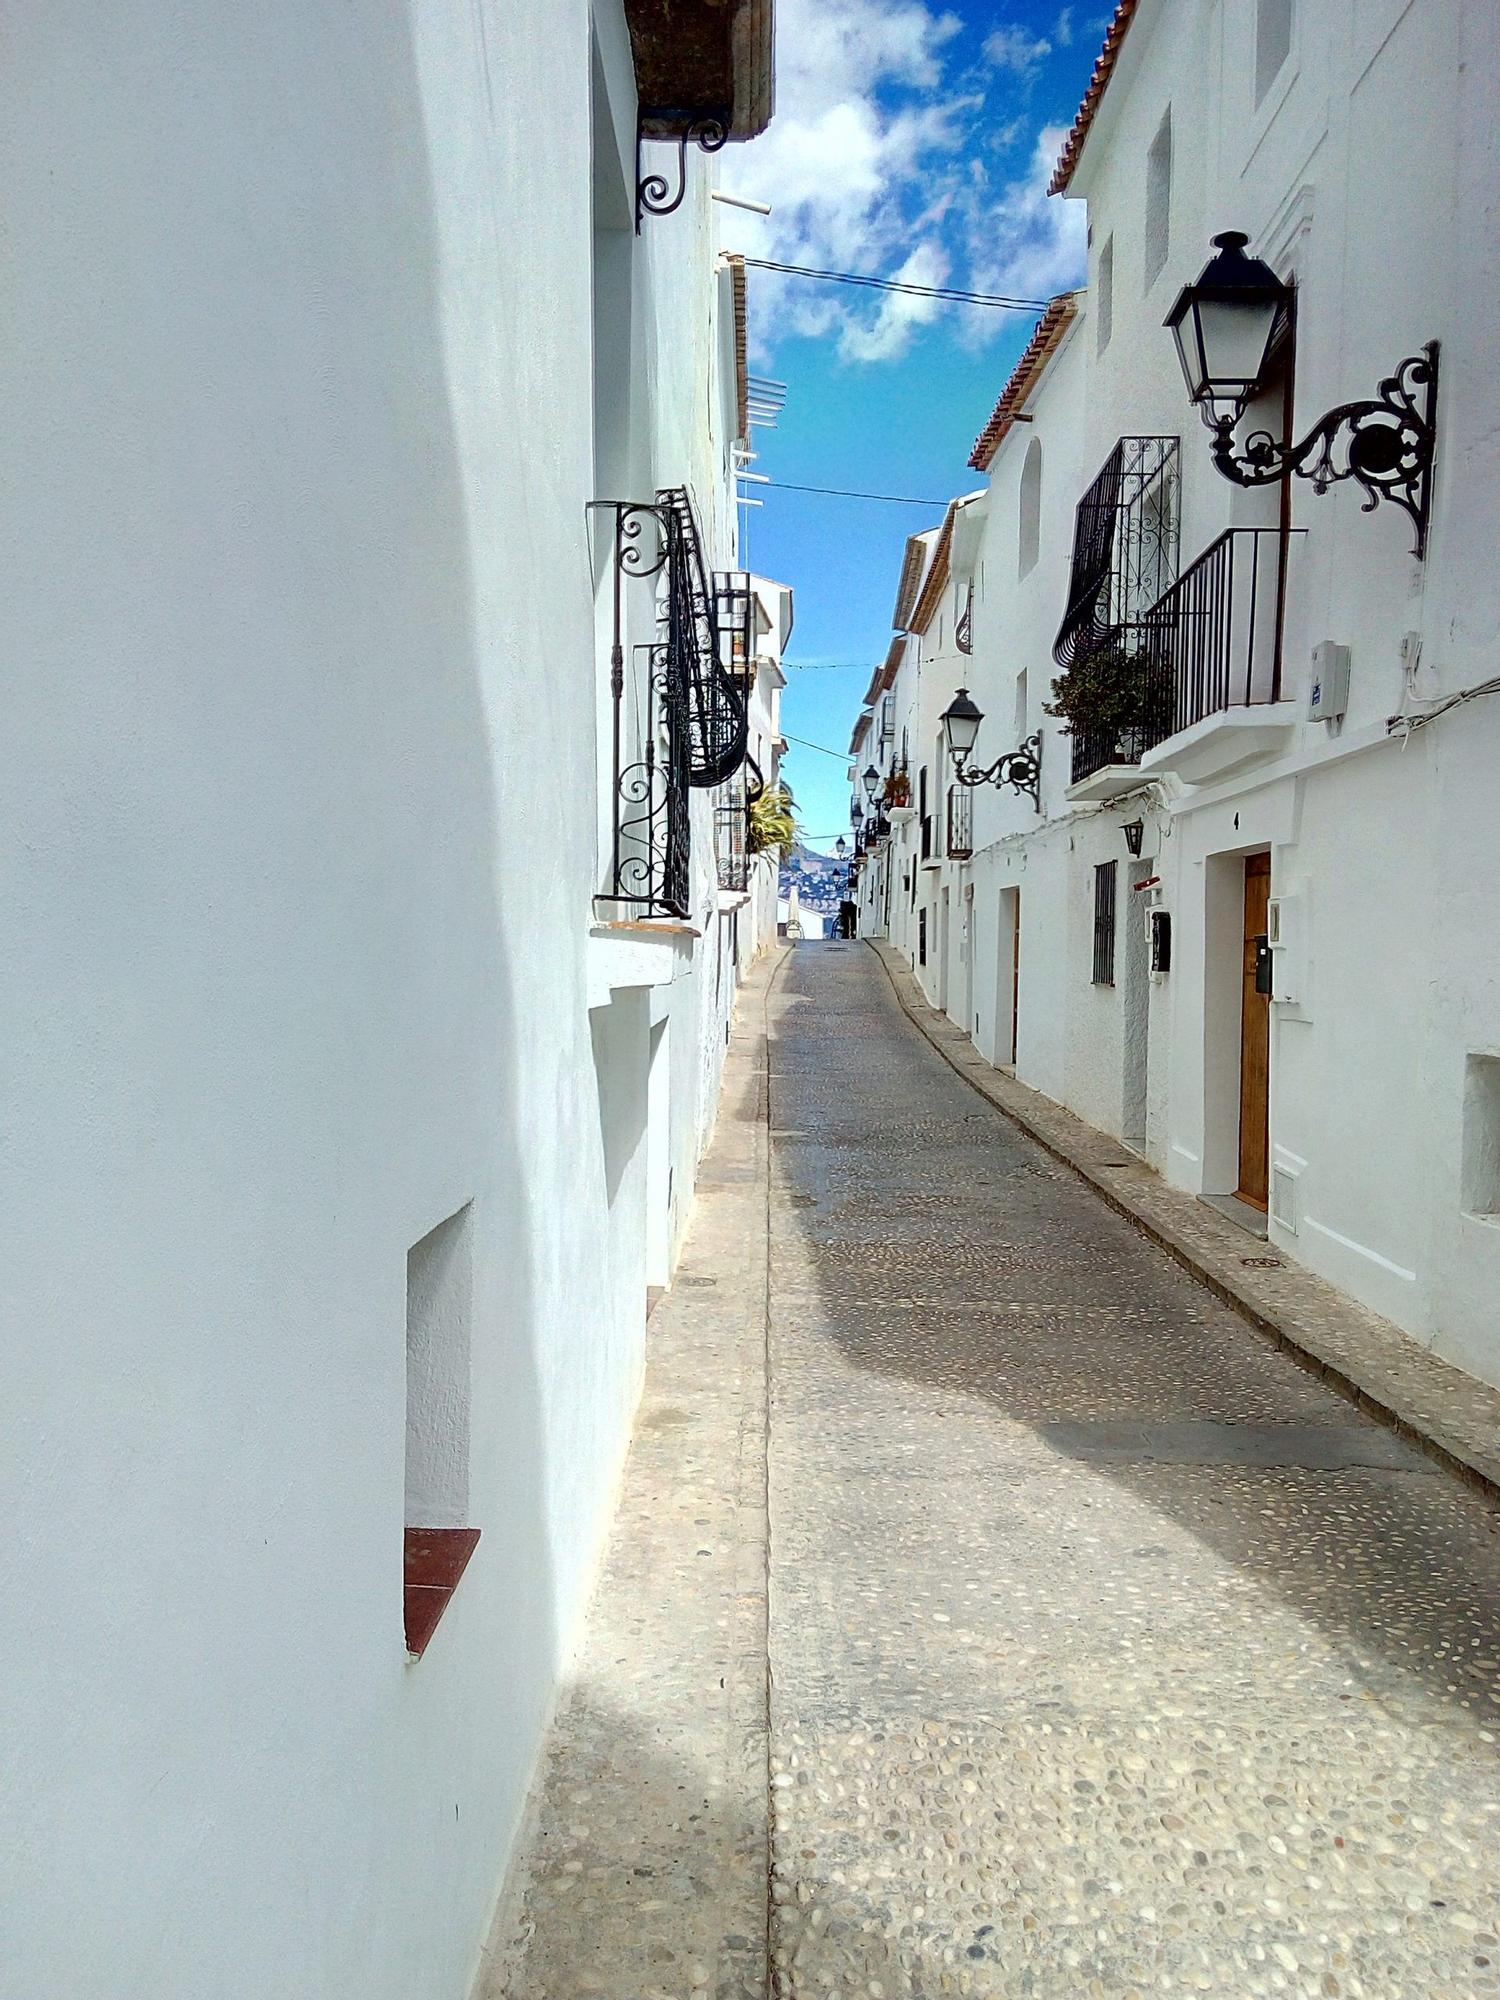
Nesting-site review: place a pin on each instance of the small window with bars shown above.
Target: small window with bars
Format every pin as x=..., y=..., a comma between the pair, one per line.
x=922, y=936
x=1104, y=923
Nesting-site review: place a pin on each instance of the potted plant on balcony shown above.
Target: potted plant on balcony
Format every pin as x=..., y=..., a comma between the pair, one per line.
x=1106, y=694
x=897, y=795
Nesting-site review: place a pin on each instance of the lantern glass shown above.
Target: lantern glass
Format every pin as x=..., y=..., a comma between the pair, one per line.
x=961, y=720
x=872, y=783
x=1224, y=325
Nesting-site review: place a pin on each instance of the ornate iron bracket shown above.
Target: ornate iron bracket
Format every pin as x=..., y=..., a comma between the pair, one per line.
x=1020, y=769
x=655, y=194
x=963, y=630
x=1386, y=442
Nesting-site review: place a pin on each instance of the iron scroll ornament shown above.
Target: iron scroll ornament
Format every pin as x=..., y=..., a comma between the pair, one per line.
x=654, y=193
x=1020, y=769
x=1385, y=442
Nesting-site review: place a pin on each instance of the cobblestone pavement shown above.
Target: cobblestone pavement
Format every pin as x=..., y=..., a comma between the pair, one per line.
x=1111, y=1653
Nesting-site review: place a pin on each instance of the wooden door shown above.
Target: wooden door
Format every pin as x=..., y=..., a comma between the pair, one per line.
x=1255, y=1042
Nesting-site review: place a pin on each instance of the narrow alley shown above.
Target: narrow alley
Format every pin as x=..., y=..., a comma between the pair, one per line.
x=1110, y=1652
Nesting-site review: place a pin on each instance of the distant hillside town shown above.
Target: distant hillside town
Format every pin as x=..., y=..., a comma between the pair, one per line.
x=818, y=879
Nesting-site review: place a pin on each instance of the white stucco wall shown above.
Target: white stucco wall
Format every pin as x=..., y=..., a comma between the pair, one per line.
x=300, y=794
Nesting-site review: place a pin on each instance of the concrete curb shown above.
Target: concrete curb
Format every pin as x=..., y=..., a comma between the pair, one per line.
x=1434, y=1406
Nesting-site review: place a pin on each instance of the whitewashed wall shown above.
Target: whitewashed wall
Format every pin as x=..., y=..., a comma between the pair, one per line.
x=299, y=792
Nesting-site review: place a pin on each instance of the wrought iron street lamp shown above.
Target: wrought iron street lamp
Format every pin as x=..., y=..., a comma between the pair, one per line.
x=1227, y=326
x=872, y=783
x=1020, y=769
x=1134, y=831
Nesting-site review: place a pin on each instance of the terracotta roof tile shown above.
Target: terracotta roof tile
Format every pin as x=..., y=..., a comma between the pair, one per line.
x=1039, y=350
x=911, y=577
x=1104, y=69
x=937, y=574
x=741, y=346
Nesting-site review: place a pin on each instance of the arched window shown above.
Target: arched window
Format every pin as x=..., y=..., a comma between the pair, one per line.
x=1029, y=532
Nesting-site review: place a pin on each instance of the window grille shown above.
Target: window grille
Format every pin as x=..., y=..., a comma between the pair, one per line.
x=922, y=936
x=1104, y=923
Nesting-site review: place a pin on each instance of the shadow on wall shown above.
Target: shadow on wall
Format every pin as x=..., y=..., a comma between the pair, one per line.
x=274, y=1030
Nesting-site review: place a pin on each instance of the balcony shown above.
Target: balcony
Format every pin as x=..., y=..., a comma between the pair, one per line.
x=960, y=831
x=1214, y=646
x=679, y=698
x=1125, y=537
x=1106, y=761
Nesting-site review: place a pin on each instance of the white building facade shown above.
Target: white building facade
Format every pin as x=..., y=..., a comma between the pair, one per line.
x=1250, y=930
x=354, y=1094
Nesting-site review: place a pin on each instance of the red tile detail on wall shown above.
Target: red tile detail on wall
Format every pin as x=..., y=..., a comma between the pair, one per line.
x=435, y=1559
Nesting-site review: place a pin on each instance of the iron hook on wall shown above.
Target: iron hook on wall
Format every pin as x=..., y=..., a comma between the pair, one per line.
x=655, y=194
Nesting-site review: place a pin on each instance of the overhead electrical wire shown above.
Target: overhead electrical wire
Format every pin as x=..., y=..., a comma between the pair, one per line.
x=847, y=493
x=954, y=294
x=842, y=755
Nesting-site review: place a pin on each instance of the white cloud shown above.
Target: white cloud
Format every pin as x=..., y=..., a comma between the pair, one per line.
x=1025, y=243
x=901, y=313
x=879, y=161
x=1016, y=49
x=1062, y=29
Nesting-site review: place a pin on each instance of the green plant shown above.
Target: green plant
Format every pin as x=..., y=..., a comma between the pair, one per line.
x=773, y=825
x=1102, y=690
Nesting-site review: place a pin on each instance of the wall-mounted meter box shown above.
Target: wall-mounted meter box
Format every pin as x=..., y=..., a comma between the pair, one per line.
x=1328, y=687
x=1286, y=939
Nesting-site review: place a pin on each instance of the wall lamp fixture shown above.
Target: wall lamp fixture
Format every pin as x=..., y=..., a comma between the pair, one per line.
x=1134, y=831
x=1227, y=325
x=871, y=783
x=1020, y=769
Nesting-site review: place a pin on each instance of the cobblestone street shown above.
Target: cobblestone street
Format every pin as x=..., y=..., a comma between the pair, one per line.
x=1111, y=1653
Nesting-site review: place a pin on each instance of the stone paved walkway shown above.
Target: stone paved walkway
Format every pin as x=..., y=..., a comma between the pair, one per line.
x=1112, y=1654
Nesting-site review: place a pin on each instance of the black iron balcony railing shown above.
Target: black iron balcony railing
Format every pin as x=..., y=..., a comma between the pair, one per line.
x=1213, y=641
x=1113, y=743
x=960, y=831
x=680, y=714
x=732, y=839
x=1124, y=545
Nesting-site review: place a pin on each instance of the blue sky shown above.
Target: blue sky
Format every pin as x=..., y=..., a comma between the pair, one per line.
x=909, y=141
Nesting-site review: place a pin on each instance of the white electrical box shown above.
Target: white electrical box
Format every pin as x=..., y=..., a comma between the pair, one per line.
x=1328, y=688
